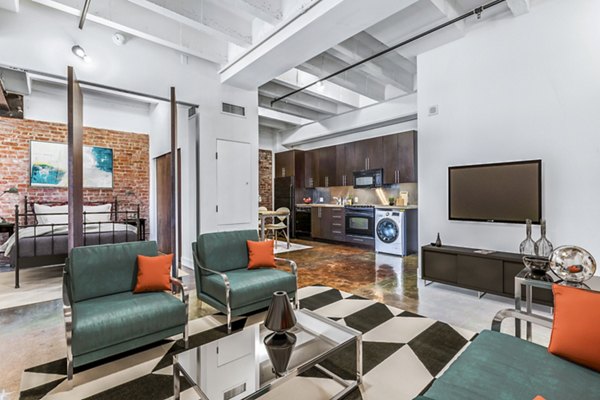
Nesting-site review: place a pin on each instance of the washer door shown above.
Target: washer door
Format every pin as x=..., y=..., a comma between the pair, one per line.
x=387, y=230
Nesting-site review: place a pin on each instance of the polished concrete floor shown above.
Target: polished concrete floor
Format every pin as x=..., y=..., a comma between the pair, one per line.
x=34, y=333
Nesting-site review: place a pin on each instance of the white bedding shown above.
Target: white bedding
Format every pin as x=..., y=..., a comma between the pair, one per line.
x=63, y=229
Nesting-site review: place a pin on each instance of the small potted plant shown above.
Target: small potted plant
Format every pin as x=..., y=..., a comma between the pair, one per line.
x=392, y=201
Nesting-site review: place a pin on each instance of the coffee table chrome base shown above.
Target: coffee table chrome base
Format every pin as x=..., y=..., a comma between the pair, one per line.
x=348, y=386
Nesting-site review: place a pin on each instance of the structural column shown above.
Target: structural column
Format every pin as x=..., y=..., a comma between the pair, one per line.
x=75, y=159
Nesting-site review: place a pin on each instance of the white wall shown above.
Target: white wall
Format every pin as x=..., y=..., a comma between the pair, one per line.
x=39, y=38
x=516, y=88
x=49, y=103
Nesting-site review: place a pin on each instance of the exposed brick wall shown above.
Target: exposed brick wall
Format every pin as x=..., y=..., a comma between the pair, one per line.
x=265, y=178
x=130, y=164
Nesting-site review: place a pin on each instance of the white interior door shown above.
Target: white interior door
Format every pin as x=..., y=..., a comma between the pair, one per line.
x=234, y=172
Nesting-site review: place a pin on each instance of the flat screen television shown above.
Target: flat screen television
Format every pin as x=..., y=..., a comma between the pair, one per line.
x=508, y=192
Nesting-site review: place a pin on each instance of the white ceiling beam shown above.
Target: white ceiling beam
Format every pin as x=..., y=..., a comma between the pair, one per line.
x=305, y=100
x=291, y=109
x=382, y=71
x=205, y=16
x=10, y=5
x=359, y=120
x=275, y=124
x=273, y=114
x=136, y=21
x=295, y=79
x=518, y=7
x=365, y=45
x=320, y=27
x=416, y=19
x=353, y=79
x=268, y=11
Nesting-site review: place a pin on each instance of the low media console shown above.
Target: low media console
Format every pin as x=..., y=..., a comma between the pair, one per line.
x=487, y=273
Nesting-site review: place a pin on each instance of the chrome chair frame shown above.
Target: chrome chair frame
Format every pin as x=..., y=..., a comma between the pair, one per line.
x=293, y=267
x=68, y=315
x=519, y=315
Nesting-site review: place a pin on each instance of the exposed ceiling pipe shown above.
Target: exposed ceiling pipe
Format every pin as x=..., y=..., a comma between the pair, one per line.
x=476, y=11
x=84, y=11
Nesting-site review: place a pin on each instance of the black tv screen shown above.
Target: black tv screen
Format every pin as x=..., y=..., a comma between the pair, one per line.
x=504, y=192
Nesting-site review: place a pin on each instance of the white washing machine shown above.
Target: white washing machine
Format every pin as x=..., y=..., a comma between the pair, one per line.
x=390, y=231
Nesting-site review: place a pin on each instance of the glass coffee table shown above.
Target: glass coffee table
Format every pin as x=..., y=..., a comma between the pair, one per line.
x=239, y=366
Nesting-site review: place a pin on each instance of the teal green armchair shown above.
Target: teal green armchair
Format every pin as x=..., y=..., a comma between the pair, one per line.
x=224, y=281
x=103, y=316
x=500, y=366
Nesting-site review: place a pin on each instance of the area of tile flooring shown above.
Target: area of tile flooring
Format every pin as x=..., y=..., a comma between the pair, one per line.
x=34, y=333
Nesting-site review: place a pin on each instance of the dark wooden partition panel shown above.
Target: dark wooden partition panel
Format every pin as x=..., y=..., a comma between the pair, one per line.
x=174, y=193
x=75, y=156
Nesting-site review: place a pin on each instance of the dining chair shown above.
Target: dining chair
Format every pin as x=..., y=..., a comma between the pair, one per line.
x=282, y=226
x=259, y=211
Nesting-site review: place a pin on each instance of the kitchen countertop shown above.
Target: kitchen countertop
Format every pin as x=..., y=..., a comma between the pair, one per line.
x=409, y=207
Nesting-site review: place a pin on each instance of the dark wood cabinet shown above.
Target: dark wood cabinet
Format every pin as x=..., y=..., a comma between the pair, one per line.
x=315, y=222
x=391, y=159
x=490, y=273
x=311, y=169
x=439, y=267
x=400, y=158
x=479, y=273
x=407, y=150
x=327, y=166
x=368, y=154
x=328, y=223
x=335, y=165
x=284, y=164
x=340, y=165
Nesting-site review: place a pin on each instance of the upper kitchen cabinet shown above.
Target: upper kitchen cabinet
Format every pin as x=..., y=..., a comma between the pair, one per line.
x=327, y=166
x=400, y=158
x=345, y=164
x=368, y=154
x=407, y=148
x=311, y=169
x=391, y=159
x=285, y=164
x=290, y=163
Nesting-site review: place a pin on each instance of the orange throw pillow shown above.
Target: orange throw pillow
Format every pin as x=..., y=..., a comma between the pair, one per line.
x=260, y=254
x=576, y=327
x=538, y=397
x=154, y=273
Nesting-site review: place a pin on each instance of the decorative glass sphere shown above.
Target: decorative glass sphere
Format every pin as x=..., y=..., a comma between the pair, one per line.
x=572, y=264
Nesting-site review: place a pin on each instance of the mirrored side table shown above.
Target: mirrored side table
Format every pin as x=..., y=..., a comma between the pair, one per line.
x=529, y=280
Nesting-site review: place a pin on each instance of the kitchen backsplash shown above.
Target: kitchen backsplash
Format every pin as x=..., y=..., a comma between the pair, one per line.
x=367, y=196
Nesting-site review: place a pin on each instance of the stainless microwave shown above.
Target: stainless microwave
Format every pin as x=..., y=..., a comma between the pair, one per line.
x=370, y=178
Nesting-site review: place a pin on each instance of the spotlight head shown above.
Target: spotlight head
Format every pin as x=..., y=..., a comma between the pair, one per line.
x=80, y=52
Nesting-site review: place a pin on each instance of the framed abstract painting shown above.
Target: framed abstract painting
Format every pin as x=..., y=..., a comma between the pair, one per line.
x=48, y=165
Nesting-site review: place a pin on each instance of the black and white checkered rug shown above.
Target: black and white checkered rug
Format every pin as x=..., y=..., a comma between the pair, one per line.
x=402, y=354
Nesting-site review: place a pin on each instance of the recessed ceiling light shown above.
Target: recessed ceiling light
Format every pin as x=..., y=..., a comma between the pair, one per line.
x=80, y=52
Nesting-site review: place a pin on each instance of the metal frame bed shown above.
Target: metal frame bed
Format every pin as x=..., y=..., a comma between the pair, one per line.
x=53, y=244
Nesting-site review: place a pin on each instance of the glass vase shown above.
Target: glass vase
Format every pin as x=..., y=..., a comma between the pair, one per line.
x=527, y=246
x=543, y=247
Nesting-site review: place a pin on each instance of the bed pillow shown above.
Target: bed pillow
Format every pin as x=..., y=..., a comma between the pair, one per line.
x=154, y=273
x=576, y=327
x=41, y=213
x=260, y=254
x=103, y=208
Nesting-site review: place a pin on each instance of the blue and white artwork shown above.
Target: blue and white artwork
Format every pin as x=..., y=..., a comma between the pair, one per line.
x=48, y=162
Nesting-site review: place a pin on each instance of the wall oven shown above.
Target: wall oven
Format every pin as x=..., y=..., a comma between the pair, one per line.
x=360, y=220
x=370, y=178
